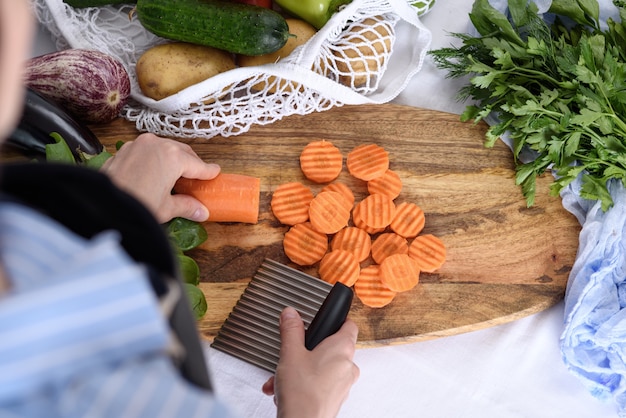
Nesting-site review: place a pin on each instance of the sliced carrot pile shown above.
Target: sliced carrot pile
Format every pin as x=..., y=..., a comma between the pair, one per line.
x=360, y=223
x=378, y=235
x=399, y=272
x=228, y=197
x=388, y=244
x=353, y=239
x=290, y=203
x=340, y=188
x=409, y=220
x=321, y=161
x=370, y=289
x=389, y=184
x=429, y=252
x=329, y=212
x=377, y=210
x=304, y=245
x=367, y=161
x=339, y=266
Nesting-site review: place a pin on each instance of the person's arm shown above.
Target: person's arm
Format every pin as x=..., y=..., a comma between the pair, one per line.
x=148, y=168
x=312, y=383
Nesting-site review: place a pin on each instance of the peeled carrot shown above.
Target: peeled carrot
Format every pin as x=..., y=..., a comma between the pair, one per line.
x=409, y=220
x=329, y=212
x=399, y=272
x=290, y=203
x=388, y=244
x=377, y=210
x=429, y=252
x=358, y=221
x=304, y=245
x=370, y=289
x=388, y=184
x=339, y=266
x=353, y=239
x=367, y=161
x=228, y=197
x=321, y=161
x=340, y=188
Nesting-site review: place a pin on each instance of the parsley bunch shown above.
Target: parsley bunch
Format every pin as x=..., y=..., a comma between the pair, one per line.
x=558, y=89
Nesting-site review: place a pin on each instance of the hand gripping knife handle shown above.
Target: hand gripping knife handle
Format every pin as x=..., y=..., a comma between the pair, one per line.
x=331, y=315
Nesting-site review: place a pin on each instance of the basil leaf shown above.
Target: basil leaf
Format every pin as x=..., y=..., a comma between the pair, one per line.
x=186, y=234
x=189, y=270
x=197, y=300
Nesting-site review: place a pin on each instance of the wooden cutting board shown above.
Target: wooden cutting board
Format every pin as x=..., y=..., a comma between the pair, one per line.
x=505, y=261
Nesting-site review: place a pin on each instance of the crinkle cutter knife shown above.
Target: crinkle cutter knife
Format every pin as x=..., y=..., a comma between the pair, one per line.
x=251, y=331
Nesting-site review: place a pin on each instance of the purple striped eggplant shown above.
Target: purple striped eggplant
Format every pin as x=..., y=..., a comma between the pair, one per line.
x=90, y=85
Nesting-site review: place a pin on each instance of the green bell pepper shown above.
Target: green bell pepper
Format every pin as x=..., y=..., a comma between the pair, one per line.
x=316, y=12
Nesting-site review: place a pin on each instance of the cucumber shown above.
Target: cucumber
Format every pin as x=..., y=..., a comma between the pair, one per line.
x=79, y=4
x=233, y=27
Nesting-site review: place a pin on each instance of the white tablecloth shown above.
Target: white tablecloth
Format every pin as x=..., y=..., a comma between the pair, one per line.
x=512, y=370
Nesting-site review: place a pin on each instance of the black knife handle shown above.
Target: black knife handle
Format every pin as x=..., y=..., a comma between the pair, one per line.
x=331, y=315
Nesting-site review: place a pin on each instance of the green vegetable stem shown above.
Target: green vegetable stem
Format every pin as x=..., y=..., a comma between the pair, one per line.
x=316, y=12
x=558, y=89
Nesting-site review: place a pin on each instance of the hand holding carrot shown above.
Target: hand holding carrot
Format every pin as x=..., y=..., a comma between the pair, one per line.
x=148, y=168
x=312, y=383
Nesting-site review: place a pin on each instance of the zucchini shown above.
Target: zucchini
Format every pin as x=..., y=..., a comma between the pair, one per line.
x=234, y=27
x=79, y=4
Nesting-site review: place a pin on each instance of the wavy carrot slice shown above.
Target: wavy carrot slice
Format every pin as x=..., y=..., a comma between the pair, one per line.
x=429, y=252
x=399, y=272
x=367, y=161
x=358, y=221
x=304, y=245
x=290, y=203
x=370, y=289
x=321, y=161
x=409, y=220
x=340, y=188
x=353, y=239
x=388, y=244
x=228, y=197
x=339, y=266
x=377, y=210
x=329, y=212
x=388, y=184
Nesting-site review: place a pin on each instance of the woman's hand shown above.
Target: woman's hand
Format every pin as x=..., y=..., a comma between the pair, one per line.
x=312, y=383
x=148, y=168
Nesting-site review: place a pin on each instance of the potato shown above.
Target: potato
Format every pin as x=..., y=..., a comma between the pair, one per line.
x=302, y=32
x=166, y=69
x=357, y=59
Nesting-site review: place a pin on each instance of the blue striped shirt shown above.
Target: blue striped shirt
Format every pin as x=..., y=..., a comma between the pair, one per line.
x=81, y=331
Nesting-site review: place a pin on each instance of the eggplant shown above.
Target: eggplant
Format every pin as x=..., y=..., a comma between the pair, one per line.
x=90, y=85
x=40, y=118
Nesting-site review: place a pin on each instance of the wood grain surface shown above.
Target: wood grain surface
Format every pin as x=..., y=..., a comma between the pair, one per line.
x=505, y=260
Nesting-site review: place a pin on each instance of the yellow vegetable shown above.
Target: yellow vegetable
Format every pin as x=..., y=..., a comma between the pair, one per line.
x=301, y=31
x=168, y=68
x=359, y=57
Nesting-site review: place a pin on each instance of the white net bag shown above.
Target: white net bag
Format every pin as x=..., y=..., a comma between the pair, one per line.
x=351, y=60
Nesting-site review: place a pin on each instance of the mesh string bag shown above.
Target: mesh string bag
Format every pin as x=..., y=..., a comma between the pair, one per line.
x=353, y=59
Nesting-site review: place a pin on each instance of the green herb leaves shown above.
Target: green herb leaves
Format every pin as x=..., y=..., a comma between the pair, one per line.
x=186, y=235
x=558, y=90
